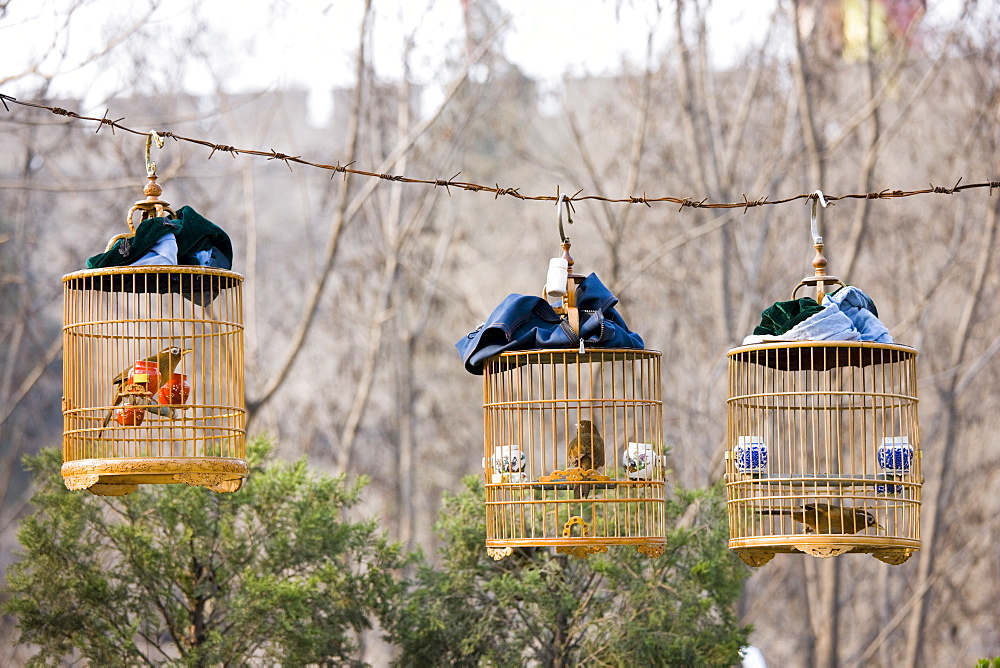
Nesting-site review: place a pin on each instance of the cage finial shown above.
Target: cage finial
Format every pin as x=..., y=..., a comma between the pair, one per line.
x=152, y=206
x=819, y=262
x=820, y=278
x=568, y=301
x=153, y=190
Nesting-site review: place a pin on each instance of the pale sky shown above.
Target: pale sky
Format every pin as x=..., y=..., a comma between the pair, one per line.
x=310, y=43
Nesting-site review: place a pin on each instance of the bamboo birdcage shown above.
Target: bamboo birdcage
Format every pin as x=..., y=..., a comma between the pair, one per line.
x=823, y=447
x=186, y=428
x=545, y=486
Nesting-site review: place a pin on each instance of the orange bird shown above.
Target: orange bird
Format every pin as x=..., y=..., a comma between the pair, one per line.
x=166, y=361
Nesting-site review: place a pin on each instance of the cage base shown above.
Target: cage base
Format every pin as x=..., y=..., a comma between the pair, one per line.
x=759, y=551
x=117, y=477
x=579, y=547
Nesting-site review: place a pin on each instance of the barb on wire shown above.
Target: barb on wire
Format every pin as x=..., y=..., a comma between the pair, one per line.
x=747, y=203
x=104, y=120
x=224, y=148
x=338, y=168
x=946, y=191
x=682, y=202
x=447, y=183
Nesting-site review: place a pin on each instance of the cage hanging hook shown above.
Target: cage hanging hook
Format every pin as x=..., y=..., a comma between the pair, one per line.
x=569, y=215
x=817, y=199
x=820, y=279
x=152, y=206
x=150, y=138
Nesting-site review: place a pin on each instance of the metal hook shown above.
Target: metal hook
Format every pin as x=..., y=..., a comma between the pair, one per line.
x=150, y=138
x=569, y=215
x=813, y=222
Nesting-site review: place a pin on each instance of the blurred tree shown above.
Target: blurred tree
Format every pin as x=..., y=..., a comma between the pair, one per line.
x=537, y=607
x=172, y=574
x=408, y=272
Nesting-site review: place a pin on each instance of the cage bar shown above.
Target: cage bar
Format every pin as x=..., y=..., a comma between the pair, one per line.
x=823, y=450
x=188, y=430
x=548, y=487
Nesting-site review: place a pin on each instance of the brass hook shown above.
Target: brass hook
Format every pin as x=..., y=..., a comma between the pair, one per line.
x=569, y=215
x=813, y=221
x=820, y=279
x=150, y=138
x=152, y=206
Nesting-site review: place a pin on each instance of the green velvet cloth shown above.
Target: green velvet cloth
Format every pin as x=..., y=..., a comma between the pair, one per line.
x=782, y=316
x=200, y=234
x=194, y=234
x=126, y=251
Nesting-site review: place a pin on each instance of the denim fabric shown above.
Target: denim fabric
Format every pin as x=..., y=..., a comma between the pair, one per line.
x=163, y=251
x=860, y=309
x=523, y=322
x=830, y=324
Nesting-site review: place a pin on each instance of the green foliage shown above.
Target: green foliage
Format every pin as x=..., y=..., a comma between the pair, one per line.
x=988, y=663
x=618, y=609
x=273, y=573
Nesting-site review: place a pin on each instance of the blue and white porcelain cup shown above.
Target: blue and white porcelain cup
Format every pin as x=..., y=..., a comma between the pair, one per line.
x=895, y=454
x=639, y=461
x=507, y=459
x=750, y=454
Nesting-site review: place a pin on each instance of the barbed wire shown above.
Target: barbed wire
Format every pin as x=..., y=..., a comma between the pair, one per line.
x=496, y=189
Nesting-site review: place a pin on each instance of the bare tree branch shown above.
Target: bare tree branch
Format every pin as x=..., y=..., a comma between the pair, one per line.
x=346, y=211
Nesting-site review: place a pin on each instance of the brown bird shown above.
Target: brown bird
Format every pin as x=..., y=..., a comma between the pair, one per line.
x=825, y=518
x=166, y=361
x=585, y=451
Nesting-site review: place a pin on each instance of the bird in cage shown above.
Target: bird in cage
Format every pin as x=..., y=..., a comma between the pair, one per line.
x=826, y=518
x=585, y=451
x=165, y=362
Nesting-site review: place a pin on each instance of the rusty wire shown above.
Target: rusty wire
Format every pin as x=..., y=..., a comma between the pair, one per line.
x=496, y=189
